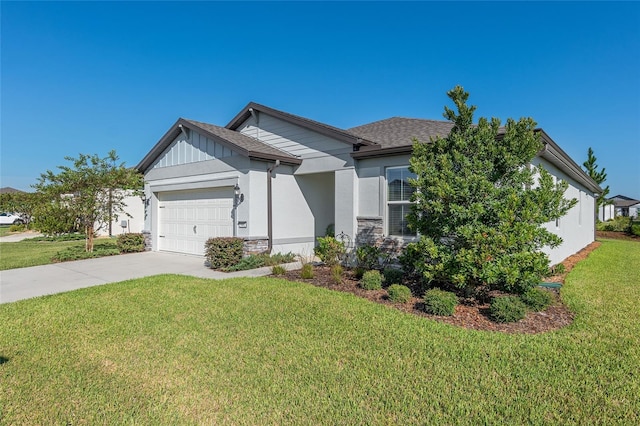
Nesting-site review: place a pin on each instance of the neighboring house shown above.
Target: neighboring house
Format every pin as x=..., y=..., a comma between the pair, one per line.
x=132, y=218
x=278, y=181
x=619, y=206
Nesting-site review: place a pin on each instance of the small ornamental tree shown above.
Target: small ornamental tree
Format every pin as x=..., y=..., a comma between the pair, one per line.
x=480, y=205
x=91, y=191
x=598, y=176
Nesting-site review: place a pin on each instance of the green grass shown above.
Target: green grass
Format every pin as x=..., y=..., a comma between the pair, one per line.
x=177, y=350
x=4, y=230
x=33, y=253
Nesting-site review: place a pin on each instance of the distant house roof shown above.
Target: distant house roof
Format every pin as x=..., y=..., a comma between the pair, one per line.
x=622, y=201
x=9, y=190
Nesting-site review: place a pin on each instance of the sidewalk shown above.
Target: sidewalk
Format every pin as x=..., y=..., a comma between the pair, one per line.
x=25, y=283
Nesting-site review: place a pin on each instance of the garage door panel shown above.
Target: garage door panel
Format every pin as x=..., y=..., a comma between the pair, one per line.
x=188, y=218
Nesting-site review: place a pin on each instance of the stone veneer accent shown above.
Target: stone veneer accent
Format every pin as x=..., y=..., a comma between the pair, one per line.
x=147, y=240
x=371, y=232
x=255, y=245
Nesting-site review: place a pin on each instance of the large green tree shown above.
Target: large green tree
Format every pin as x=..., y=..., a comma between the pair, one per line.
x=91, y=191
x=598, y=176
x=480, y=205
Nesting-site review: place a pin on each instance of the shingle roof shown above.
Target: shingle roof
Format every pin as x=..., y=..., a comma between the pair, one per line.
x=250, y=145
x=397, y=131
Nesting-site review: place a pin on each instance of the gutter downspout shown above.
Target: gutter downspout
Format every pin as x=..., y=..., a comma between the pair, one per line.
x=270, y=206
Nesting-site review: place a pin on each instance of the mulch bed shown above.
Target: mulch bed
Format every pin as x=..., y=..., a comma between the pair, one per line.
x=471, y=315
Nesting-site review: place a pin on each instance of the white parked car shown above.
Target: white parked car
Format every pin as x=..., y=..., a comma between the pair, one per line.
x=10, y=219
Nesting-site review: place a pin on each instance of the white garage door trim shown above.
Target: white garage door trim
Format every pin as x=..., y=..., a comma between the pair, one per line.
x=187, y=219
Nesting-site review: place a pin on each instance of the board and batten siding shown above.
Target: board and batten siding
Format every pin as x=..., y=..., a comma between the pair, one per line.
x=192, y=150
x=290, y=138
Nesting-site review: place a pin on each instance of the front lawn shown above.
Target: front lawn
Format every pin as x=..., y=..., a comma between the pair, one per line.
x=33, y=252
x=178, y=350
x=4, y=230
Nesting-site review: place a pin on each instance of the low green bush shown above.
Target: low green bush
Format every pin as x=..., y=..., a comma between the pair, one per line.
x=307, y=272
x=254, y=261
x=371, y=257
x=329, y=250
x=635, y=230
x=440, y=302
x=617, y=224
x=79, y=253
x=62, y=237
x=223, y=252
x=537, y=299
x=358, y=272
x=336, y=273
x=278, y=270
x=371, y=280
x=393, y=276
x=18, y=228
x=130, y=243
x=399, y=293
x=507, y=309
x=250, y=262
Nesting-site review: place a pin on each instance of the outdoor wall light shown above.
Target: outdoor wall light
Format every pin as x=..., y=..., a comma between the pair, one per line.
x=239, y=197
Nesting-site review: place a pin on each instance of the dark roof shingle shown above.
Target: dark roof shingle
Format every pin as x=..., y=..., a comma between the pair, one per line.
x=397, y=131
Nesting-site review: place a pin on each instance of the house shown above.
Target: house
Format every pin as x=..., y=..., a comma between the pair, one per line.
x=279, y=180
x=619, y=206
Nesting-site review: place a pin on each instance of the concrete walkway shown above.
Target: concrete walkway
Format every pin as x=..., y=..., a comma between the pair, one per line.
x=25, y=283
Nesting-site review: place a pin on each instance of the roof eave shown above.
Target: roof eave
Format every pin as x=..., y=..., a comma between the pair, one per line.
x=555, y=155
x=382, y=152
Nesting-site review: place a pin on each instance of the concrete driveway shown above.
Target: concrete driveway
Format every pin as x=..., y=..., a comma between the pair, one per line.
x=25, y=283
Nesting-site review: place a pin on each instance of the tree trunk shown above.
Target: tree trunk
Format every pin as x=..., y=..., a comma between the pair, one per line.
x=89, y=239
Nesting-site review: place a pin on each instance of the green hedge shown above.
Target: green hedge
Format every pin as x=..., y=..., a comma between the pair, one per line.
x=130, y=243
x=223, y=252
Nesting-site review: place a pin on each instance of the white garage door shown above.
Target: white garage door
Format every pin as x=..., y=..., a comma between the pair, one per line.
x=189, y=218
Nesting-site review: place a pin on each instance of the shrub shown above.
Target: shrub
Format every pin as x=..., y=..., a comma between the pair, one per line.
x=537, y=299
x=617, y=224
x=371, y=280
x=307, y=271
x=336, y=273
x=223, y=252
x=278, y=270
x=18, y=228
x=250, y=262
x=399, y=293
x=393, y=276
x=79, y=253
x=130, y=243
x=439, y=302
x=61, y=237
x=371, y=257
x=635, y=230
x=557, y=269
x=254, y=261
x=358, y=272
x=330, y=230
x=278, y=258
x=329, y=250
x=507, y=309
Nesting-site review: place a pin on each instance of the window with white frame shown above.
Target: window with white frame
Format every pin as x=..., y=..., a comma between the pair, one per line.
x=398, y=201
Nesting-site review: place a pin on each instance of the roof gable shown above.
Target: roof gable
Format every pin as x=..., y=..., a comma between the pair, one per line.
x=234, y=141
x=324, y=129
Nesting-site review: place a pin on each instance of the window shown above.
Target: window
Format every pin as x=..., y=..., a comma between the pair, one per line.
x=398, y=205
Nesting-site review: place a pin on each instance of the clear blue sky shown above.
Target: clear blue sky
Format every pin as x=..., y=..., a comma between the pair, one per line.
x=87, y=77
